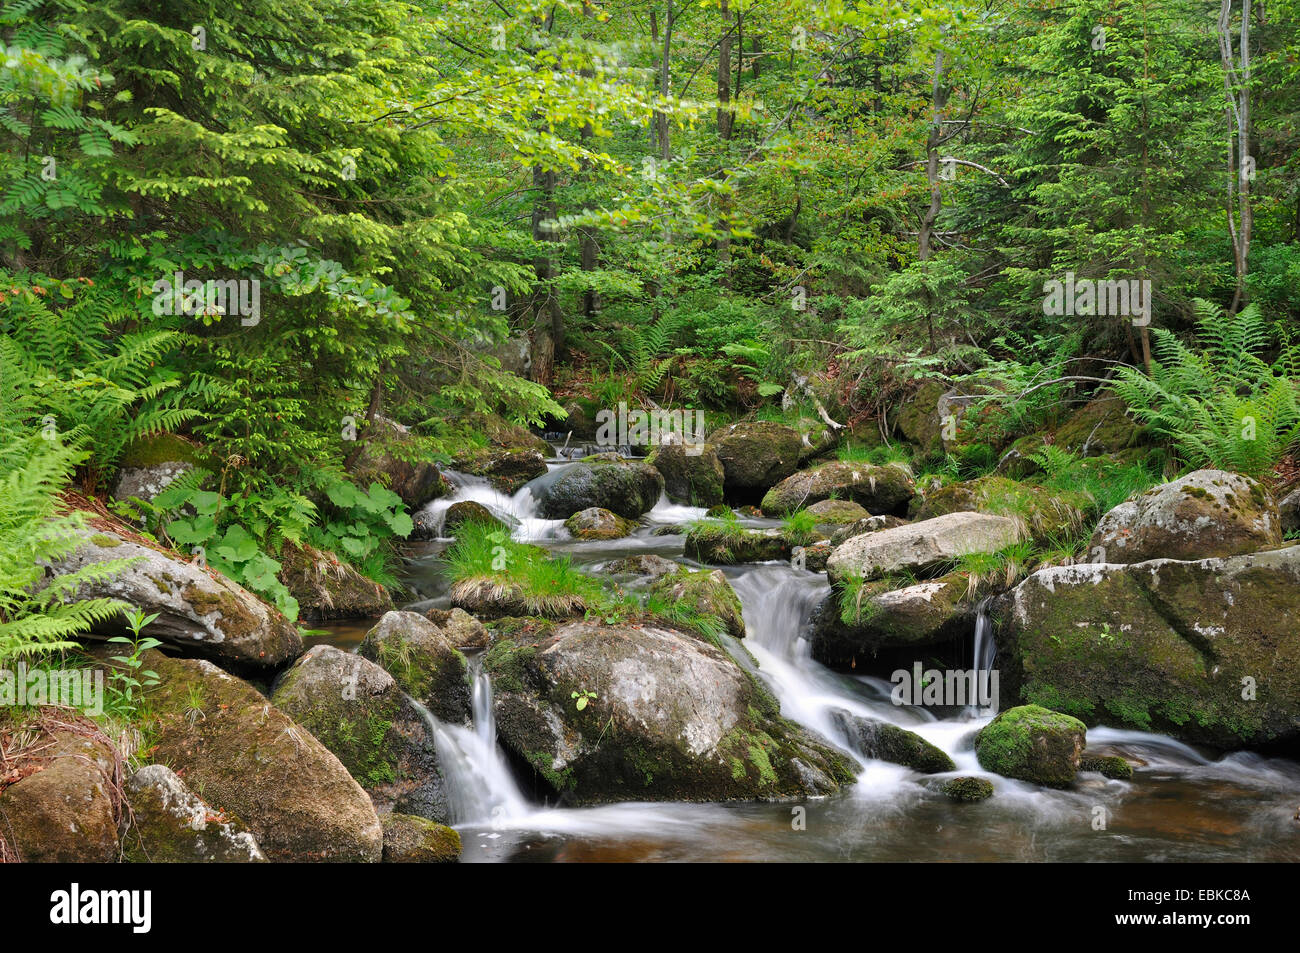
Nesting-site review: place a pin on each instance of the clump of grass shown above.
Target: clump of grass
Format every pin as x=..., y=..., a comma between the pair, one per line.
x=1003, y=568
x=487, y=567
x=800, y=527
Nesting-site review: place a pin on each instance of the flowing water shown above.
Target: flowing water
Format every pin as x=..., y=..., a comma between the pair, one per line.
x=1182, y=804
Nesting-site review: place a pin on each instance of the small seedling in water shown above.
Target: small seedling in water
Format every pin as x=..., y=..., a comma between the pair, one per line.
x=582, y=698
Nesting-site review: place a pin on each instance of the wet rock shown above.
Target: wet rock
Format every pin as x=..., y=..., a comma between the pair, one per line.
x=242, y=755
x=692, y=474
x=468, y=511
x=968, y=788
x=757, y=455
x=597, y=523
x=198, y=612
x=423, y=657
x=1031, y=743
x=1204, y=650
x=168, y=823
x=647, y=565
x=626, y=488
x=1206, y=513
x=460, y=628
x=416, y=840
x=877, y=489
x=358, y=711
x=672, y=718
x=921, y=547
x=727, y=544
x=881, y=741
x=505, y=469
x=1108, y=766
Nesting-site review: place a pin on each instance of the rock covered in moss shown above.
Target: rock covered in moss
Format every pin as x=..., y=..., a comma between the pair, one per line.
x=877, y=489
x=922, y=546
x=1108, y=766
x=968, y=788
x=328, y=589
x=1047, y=514
x=627, y=488
x=1206, y=513
x=757, y=455
x=884, y=614
x=1100, y=426
x=644, y=565
x=424, y=658
x=505, y=469
x=881, y=741
x=920, y=417
x=1031, y=743
x=597, y=523
x=1204, y=650
x=673, y=718
x=199, y=612
x=460, y=628
x=64, y=812
x=704, y=591
x=467, y=511
x=168, y=823
x=417, y=840
x=243, y=755
x=692, y=474
x=838, y=512
x=726, y=543
x=359, y=712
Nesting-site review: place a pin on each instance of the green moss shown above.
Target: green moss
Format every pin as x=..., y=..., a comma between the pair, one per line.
x=160, y=448
x=508, y=663
x=968, y=789
x=105, y=541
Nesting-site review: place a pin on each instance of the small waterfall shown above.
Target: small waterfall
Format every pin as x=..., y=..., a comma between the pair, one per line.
x=985, y=648
x=520, y=511
x=481, y=789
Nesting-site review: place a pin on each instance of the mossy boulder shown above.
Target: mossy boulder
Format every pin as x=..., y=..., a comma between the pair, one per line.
x=468, y=511
x=692, y=474
x=597, y=523
x=199, y=612
x=921, y=547
x=358, y=711
x=838, y=512
x=390, y=455
x=327, y=588
x=881, y=741
x=244, y=756
x=168, y=823
x=1108, y=766
x=1100, y=426
x=505, y=469
x=1204, y=650
x=727, y=543
x=876, y=489
x=887, y=614
x=647, y=565
x=756, y=455
x=673, y=718
x=968, y=789
x=459, y=628
x=423, y=657
x=624, y=487
x=64, y=812
x=1288, y=509
x=919, y=418
x=417, y=840
x=1046, y=514
x=1206, y=513
x=704, y=591
x=1034, y=744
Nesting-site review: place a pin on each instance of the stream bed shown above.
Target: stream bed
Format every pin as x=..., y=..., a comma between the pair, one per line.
x=1182, y=803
